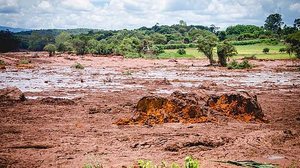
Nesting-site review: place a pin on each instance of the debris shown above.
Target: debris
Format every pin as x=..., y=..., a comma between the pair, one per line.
x=248, y=163
x=57, y=101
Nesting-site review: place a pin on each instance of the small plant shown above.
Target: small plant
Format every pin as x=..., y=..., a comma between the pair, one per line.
x=77, y=66
x=266, y=50
x=282, y=50
x=145, y=164
x=181, y=51
x=190, y=162
x=243, y=65
x=2, y=62
x=127, y=73
x=93, y=165
x=24, y=61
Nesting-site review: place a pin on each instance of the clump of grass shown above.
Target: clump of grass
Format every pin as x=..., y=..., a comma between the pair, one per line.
x=93, y=165
x=189, y=162
x=77, y=65
x=127, y=73
x=2, y=62
x=24, y=61
x=243, y=65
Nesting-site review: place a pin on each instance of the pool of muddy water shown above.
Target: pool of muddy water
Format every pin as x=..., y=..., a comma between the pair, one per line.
x=110, y=79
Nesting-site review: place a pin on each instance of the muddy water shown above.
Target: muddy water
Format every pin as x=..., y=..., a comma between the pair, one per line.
x=110, y=79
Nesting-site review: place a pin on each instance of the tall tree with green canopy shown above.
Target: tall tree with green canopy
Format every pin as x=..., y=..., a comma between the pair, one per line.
x=225, y=50
x=206, y=45
x=273, y=22
x=62, y=40
x=294, y=43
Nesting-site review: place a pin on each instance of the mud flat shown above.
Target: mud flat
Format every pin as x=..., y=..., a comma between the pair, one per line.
x=69, y=115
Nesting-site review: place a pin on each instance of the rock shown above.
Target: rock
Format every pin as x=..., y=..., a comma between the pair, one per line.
x=240, y=105
x=11, y=94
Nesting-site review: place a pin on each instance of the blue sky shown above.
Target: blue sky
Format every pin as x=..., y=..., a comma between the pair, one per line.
x=120, y=14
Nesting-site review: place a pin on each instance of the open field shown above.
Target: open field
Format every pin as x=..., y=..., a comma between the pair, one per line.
x=243, y=51
x=80, y=129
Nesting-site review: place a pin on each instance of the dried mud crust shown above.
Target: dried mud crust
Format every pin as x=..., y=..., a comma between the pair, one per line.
x=33, y=134
x=192, y=108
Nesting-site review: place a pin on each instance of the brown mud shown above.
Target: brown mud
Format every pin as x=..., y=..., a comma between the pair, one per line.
x=67, y=119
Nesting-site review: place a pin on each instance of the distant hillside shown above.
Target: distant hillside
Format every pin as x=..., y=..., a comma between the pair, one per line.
x=57, y=31
x=14, y=30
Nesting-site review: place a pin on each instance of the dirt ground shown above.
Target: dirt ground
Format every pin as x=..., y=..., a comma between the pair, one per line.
x=56, y=133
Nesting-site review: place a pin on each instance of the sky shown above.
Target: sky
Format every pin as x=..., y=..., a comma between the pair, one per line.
x=130, y=14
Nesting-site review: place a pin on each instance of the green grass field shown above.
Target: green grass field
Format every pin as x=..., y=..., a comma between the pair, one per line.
x=243, y=51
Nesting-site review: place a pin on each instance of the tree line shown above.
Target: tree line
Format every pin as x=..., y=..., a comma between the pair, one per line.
x=152, y=40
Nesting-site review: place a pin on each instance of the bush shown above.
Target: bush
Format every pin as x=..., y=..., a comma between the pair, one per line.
x=157, y=50
x=2, y=62
x=77, y=66
x=51, y=48
x=181, y=51
x=243, y=65
x=282, y=50
x=266, y=50
x=190, y=162
x=24, y=61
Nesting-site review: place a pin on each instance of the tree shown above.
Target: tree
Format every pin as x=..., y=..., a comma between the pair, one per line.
x=225, y=50
x=206, y=45
x=51, y=48
x=79, y=46
x=182, y=23
x=297, y=23
x=8, y=41
x=274, y=23
x=61, y=41
x=294, y=43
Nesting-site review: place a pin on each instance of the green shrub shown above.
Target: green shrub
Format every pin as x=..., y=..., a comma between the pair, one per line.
x=157, y=50
x=181, y=51
x=24, y=61
x=77, y=66
x=266, y=50
x=190, y=162
x=282, y=50
x=50, y=48
x=2, y=62
x=243, y=65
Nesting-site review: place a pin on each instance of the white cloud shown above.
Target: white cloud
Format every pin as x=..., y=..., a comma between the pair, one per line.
x=295, y=7
x=77, y=4
x=119, y=14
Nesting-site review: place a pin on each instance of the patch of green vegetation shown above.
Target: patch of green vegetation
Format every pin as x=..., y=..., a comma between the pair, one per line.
x=243, y=65
x=181, y=51
x=266, y=50
x=77, y=65
x=24, y=61
x=89, y=165
x=189, y=162
x=127, y=73
x=2, y=62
